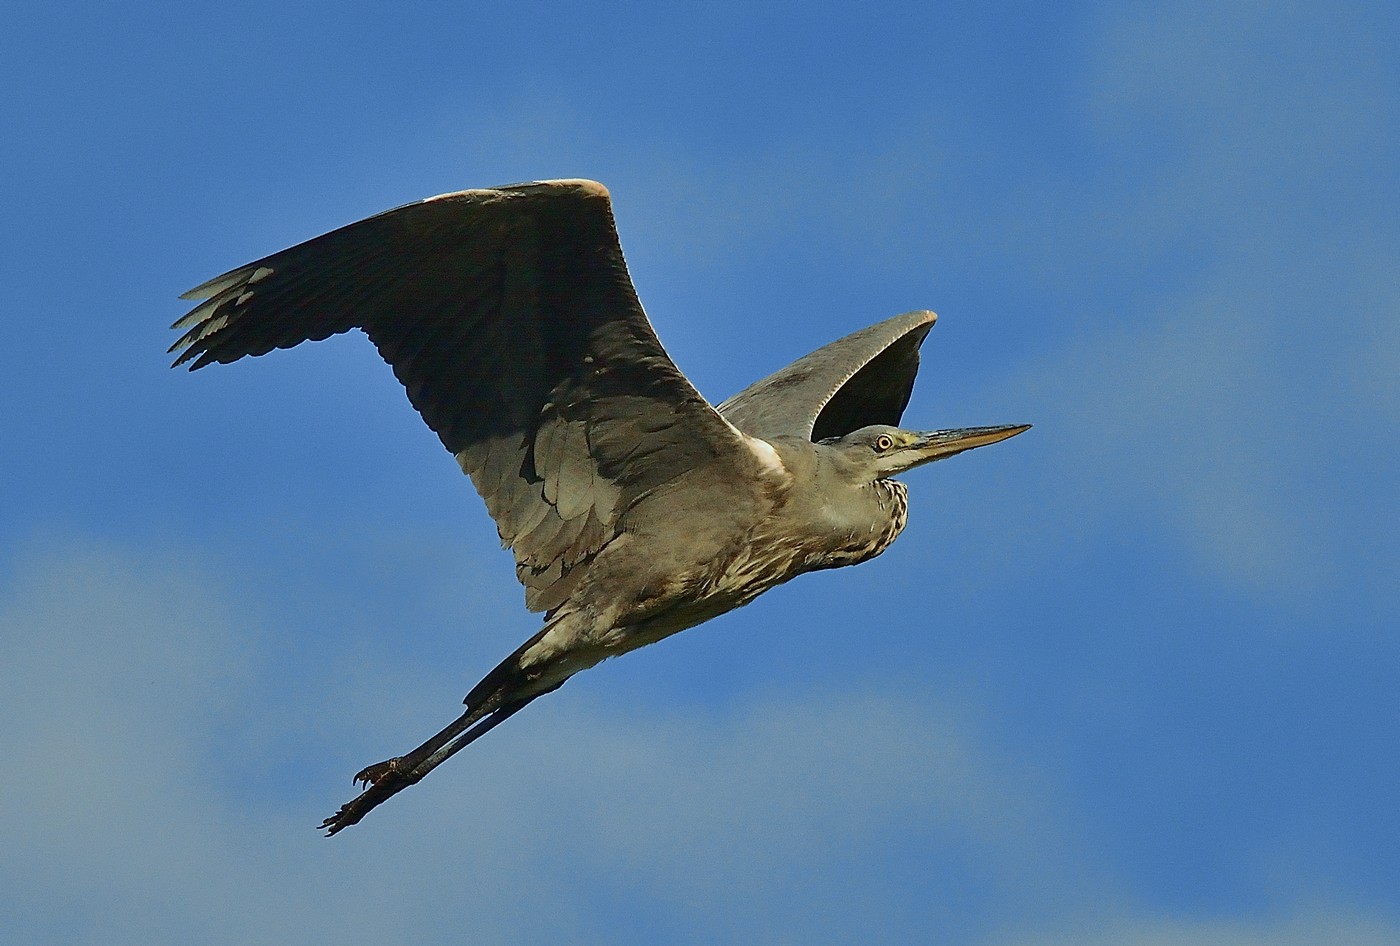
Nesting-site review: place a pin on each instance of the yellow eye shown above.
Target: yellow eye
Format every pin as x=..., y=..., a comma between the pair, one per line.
x=883, y=443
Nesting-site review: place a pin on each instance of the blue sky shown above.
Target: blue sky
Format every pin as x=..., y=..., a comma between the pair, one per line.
x=1128, y=679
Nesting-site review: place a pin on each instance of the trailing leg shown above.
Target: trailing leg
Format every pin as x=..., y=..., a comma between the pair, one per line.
x=504, y=691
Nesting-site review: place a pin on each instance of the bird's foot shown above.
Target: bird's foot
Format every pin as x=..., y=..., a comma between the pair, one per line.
x=381, y=781
x=384, y=780
x=374, y=774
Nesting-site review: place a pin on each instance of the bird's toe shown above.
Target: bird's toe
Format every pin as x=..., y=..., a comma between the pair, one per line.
x=374, y=774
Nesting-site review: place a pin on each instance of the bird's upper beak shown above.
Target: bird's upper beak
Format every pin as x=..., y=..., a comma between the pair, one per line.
x=937, y=444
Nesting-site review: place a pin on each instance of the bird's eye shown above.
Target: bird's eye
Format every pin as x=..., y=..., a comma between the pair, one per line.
x=883, y=443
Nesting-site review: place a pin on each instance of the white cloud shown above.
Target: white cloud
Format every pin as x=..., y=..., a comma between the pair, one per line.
x=147, y=801
x=1185, y=424
x=1253, y=375
x=1338, y=925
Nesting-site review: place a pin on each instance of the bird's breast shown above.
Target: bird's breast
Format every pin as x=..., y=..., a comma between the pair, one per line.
x=787, y=545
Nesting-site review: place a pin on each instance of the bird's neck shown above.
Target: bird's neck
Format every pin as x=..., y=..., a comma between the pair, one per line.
x=893, y=498
x=864, y=528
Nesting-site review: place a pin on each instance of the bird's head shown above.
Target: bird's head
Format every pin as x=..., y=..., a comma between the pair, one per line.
x=879, y=452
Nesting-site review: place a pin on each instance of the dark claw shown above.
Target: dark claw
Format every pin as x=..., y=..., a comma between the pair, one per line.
x=373, y=774
x=334, y=823
x=384, y=780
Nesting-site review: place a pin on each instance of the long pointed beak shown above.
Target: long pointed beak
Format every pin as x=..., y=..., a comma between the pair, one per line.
x=937, y=444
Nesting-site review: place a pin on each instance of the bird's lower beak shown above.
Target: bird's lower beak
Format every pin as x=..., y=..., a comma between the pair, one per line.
x=937, y=444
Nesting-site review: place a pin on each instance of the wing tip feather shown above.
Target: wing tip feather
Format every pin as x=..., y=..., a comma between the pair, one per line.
x=218, y=284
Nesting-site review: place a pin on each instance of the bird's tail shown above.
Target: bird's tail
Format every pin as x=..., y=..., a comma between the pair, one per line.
x=501, y=694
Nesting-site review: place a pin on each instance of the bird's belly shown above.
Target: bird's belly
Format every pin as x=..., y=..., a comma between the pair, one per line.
x=755, y=569
x=731, y=582
x=769, y=555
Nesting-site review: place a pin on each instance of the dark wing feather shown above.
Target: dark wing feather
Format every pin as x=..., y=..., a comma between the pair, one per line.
x=862, y=379
x=510, y=319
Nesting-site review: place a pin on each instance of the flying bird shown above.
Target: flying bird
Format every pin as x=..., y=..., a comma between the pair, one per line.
x=633, y=507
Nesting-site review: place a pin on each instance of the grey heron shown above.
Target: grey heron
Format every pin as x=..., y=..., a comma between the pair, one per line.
x=633, y=507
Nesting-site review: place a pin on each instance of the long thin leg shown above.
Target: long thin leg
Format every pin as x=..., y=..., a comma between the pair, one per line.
x=384, y=780
x=502, y=693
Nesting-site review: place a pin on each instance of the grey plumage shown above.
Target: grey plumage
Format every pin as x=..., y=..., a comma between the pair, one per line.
x=862, y=379
x=633, y=508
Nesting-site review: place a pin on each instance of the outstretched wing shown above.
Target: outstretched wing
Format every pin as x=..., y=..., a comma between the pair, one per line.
x=862, y=379
x=509, y=317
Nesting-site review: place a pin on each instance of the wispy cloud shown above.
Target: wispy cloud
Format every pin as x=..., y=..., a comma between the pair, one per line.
x=1245, y=391
x=1304, y=928
x=123, y=680
x=143, y=804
